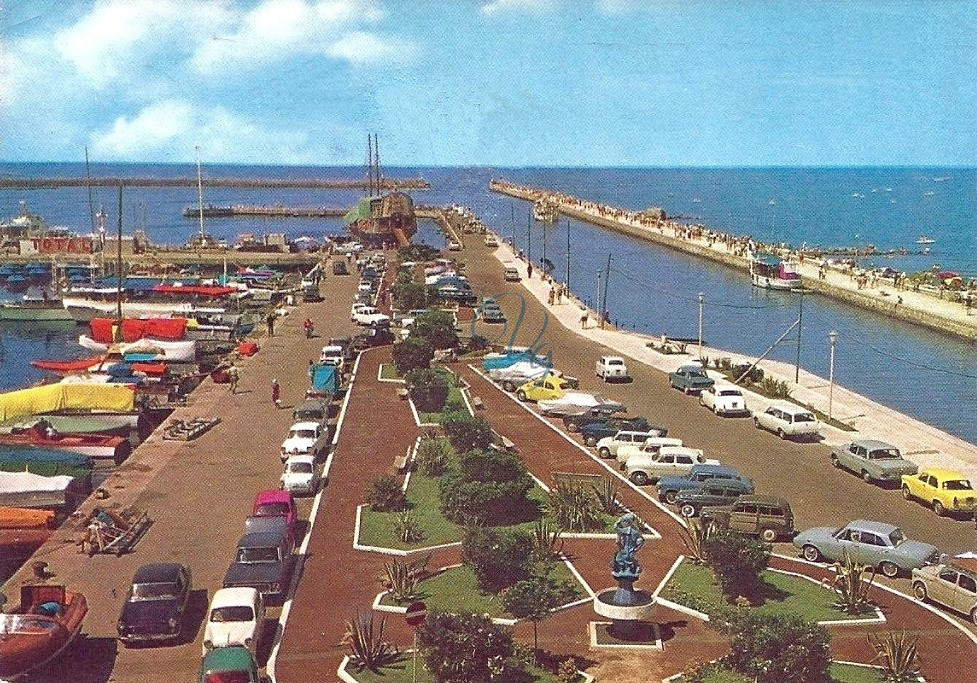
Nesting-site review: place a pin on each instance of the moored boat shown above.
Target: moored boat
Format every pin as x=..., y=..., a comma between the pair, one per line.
x=770, y=272
x=34, y=308
x=29, y=490
x=40, y=628
x=23, y=530
x=184, y=350
x=91, y=445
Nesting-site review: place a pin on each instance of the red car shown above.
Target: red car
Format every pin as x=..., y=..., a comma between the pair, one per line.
x=276, y=503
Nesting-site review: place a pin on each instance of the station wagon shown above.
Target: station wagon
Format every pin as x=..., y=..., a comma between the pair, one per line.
x=670, y=460
x=953, y=585
x=711, y=493
x=768, y=517
x=787, y=420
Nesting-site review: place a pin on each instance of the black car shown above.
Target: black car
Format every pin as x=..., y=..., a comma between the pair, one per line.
x=155, y=603
x=339, y=268
x=263, y=561
x=574, y=423
x=595, y=431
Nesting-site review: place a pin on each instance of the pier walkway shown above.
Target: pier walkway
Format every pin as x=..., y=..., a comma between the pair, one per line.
x=928, y=306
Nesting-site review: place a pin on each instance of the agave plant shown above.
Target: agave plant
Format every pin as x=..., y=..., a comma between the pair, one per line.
x=368, y=650
x=898, y=655
x=852, y=583
x=694, y=537
x=407, y=528
x=606, y=492
x=401, y=578
x=546, y=539
x=575, y=507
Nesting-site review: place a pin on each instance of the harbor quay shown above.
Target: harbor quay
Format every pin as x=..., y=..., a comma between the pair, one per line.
x=246, y=183
x=926, y=306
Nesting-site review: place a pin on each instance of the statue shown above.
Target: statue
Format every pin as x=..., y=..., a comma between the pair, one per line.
x=624, y=567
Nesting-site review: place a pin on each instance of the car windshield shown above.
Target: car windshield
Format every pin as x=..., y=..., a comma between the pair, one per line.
x=957, y=485
x=257, y=555
x=301, y=434
x=221, y=615
x=300, y=468
x=884, y=454
x=730, y=392
x=896, y=536
x=615, y=362
x=153, y=591
x=271, y=510
x=696, y=373
x=804, y=417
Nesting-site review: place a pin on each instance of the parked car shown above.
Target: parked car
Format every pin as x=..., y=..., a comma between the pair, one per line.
x=489, y=312
x=690, y=379
x=511, y=274
x=598, y=413
x=491, y=241
x=669, y=487
x=946, y=491
x=594, y=432
x=874, y=461
x=578, y=402
x=229, y=665
x=312, y=410
x=952, y=584
x=276, y=503
x=670, y=460
x=711, y=493
x=311, y=294
x=542, y=389
x=305, y=438
x=724, y=399
x=300, y=477
x=339, y=267
x=369, y=316
x=787, y=420
x=263, y=561
x=236, y=617
x=611, y=368
x=768, y=517
x=649, y=446
x=454, y=246
x=155, y=603
x=876, y=544
x=333, y=354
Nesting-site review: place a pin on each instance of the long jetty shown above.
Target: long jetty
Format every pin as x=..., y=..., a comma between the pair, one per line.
x=301, y=183
x=926, y=305
x=275, y=211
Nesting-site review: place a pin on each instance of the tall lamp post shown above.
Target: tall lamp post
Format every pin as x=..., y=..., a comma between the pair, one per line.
x=832, y=338
x=701, y=298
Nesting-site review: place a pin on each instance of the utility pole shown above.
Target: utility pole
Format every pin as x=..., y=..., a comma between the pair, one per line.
x=597, y=298
x=607, y=282
x=568, y=258
x=701, y=299
x=800, y=326
x=118, y=269
x=529, y=237
x=832, y=338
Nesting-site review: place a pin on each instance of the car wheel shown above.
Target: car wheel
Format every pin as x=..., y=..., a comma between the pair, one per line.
x=639, y=478
x=756, y=423
x=811, y=554
x=670, y=497
x=701, y=402
x=604, y=452
x=938, y=508
x=835, y=462
x=572, y=427
x=780, y=434
x=687, y=510
x=889, y=569
x=768, y=535
x=590, y=441
x=973, y=617
x=509, y=386
x=686, y=390
x=906, y=494
x=919, y=590
x=867, y=478
x=521, y=395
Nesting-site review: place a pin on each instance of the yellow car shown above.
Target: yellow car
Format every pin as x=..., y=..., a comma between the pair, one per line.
x=545, y=388
x=945, y=491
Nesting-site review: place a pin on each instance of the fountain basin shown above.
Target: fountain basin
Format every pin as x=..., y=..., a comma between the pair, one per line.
x=640, y=605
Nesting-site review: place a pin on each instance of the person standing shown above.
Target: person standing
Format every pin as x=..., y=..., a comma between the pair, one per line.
x=270, y=321
x=276, y=393
x=529, y=271
x=232, y=377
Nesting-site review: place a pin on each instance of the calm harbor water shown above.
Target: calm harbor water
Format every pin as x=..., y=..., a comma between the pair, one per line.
x=921, y=373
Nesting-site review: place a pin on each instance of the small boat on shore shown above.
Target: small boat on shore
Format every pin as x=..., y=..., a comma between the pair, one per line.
x=23, y=530
x=97, y=423
x=184, y=350
x=34, y=308
x=43, y=435
x=29, y=490
x=45, y=622
x=770, y=272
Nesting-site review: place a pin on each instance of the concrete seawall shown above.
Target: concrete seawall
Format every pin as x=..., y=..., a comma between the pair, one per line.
x=920, y=308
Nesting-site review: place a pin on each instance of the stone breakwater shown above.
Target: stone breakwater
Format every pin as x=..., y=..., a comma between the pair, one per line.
x=924, y=305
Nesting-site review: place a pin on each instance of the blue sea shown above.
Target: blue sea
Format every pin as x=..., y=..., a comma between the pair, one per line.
x=922, y=373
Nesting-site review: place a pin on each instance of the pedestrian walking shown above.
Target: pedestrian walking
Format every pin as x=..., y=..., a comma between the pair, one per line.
x=583, y=321
x=276, y=393
x=270, y=321
x=232, y=376
x=529, y=271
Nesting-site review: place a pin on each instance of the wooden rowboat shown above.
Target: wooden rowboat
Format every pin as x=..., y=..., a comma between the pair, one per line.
x=39, y=629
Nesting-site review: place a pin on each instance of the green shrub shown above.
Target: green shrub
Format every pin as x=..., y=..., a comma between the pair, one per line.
x=737, y=561
x=433, y=455
x=575, y=507
x=470, y=648
x=385, y=495
x=498, y=558
x=466, y=432
x=754, y=376
x=437, y=327
x=533, y=598
x=779, y=647
x=428, y=389
x=487, y=487
x=412, y=353
x=409, y=294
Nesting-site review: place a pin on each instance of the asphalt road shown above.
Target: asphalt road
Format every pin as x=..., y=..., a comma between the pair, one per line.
x=800, y=472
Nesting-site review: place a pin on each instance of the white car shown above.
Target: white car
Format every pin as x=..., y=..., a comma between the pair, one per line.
x=491, y=241
x=236, y=617
x=787, y=420
x=609, y=445
x=454, y=246
x=669, y=461
x=368, y=316
x=305, y=438
x=650, y=446
x=332, y=355
x=610, y=368
x=724, y=399
x=300, y=476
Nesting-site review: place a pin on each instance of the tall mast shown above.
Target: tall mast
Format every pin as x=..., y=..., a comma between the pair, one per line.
x=118, y=268
x=88, y=182
x=369, y=165
x=376, y=155
x=200, y=195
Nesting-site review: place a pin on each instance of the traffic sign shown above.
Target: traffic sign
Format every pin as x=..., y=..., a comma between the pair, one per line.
x=416, y=611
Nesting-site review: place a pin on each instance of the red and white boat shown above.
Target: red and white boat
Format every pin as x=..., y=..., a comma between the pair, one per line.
x=39, y=629
x=92, y=445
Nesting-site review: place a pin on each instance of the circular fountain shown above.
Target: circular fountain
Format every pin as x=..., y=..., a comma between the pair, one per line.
x=628, y=609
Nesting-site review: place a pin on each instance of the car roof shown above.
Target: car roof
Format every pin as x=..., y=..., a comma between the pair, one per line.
x=791, y=408
x=273, y=496
x=942, y=474
x=300, y=458
x=870, y=525
x=872, y=444
x=705, y=467
x=230, y=597
x=311, y=404
x=722, y=386
x=233, y=658
x=763, y=499
x=690, y=366
x=261, y=539
x=158, y=572
x=680, y=450
x=305, y=425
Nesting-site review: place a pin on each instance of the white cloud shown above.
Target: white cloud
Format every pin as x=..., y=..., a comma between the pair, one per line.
x=168, y=130
x=360, y=48
x=497, y=6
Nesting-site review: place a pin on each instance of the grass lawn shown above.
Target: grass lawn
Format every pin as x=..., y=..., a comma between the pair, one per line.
x=455, y=590
x=696, y=587
x=454, y=398
x=840, y=673
x=402, y=672
x=378, y=528
x=389, y=371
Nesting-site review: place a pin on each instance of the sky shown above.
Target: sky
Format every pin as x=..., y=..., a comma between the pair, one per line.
x=506, y=83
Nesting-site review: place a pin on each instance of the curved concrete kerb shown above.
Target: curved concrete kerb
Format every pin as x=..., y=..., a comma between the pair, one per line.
x=642, y=606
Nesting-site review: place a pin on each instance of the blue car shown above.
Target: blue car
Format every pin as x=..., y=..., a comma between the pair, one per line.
x=669, y=487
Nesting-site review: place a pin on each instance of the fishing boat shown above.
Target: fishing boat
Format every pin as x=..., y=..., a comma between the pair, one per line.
x=43, y=435
x=29, y=490
x=923, y=239
x=380, y=219
x=770, y=272
x=64, y=367
x=184, y=350
x=45, y=622
x=34, y=307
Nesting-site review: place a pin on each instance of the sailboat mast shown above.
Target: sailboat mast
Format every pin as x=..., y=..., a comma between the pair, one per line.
x=118, y=267
x=200, y=195
x=369, y=165
x=376, y=156
x=88, y=182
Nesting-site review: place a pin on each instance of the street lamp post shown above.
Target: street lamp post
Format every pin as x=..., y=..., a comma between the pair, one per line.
x=832, y=338
x=701, y=299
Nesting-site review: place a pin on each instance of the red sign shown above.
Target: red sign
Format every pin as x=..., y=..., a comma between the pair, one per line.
x=416, y=611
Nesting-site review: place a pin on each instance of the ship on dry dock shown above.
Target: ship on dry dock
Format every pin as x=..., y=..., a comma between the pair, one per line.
x=380, y=219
